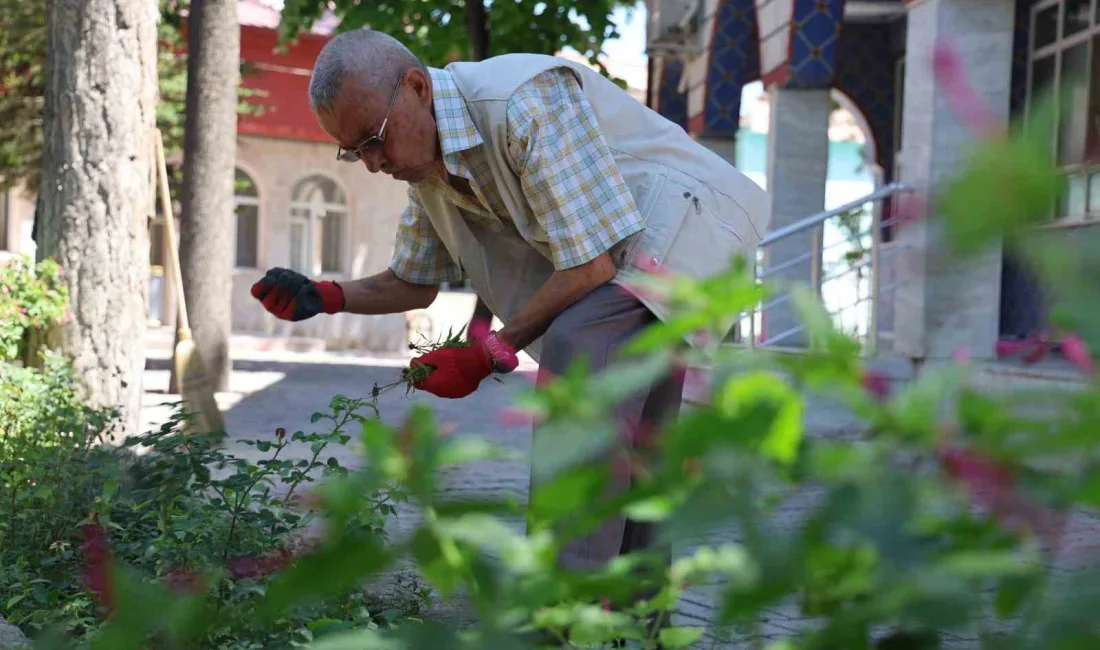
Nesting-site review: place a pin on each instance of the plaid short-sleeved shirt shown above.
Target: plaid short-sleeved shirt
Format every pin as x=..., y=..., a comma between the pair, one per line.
x=580, y=204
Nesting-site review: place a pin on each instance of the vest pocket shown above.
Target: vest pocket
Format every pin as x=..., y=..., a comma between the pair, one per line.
x=664, y=217
x=705, y=245
x=685, y=235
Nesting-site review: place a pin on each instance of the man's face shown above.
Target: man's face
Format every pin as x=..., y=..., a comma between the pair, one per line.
x=408, y=148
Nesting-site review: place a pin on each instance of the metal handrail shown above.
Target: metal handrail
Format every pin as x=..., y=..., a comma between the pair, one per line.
x=815, y=220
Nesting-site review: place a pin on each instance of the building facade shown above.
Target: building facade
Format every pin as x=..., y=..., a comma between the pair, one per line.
x=875, y=57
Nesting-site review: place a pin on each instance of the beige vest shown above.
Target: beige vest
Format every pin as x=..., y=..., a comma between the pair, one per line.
x=698, y=209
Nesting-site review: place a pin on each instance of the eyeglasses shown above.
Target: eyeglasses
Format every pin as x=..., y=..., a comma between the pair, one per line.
x=373, y=142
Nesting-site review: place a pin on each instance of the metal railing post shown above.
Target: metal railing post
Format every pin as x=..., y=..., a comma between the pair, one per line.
x=816, y=257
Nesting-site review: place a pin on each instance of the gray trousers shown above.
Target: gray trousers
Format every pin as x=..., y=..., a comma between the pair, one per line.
x=597, y=327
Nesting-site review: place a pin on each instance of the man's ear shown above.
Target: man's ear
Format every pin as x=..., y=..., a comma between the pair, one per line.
x=421, y=85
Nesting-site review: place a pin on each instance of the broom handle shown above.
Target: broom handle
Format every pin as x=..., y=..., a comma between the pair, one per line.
x=170, y=228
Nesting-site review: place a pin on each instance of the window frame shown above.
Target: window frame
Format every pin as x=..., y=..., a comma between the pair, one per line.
x=251, y=201
x=1090, y=36
x=313, y=220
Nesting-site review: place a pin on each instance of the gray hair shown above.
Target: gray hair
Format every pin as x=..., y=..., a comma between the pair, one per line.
x=373, y=58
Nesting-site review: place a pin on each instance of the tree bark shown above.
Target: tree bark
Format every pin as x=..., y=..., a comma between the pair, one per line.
x=477, y=32
x=207, y=223
x=100, y=103
x=477, y=29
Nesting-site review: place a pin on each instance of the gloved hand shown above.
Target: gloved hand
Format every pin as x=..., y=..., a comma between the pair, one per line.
x=455, y=372
x=289, y=295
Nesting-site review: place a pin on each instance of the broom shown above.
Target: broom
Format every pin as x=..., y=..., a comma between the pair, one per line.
x=196, y=386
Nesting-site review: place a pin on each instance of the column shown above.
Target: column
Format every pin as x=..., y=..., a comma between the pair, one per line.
x=798, y=162
x=942, y=305
x=726, y=147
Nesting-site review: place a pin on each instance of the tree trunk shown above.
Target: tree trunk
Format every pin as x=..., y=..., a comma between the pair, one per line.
x=477, y=29
x=207, y=223
x=477, y=32
x=100, y=102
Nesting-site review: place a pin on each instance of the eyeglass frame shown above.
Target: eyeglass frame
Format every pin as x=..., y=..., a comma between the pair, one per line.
x=355, y=154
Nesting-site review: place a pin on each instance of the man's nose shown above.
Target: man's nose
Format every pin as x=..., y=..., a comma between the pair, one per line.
x=373, y=160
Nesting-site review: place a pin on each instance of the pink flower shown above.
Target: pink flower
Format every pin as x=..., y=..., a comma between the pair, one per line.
x=182, y=580
x=1076, y=352
x=992, y=485
x=876, y=384
x=908, y=209
x=695, y=381
x=965, y=102
x=544, y=377
x=513, y=416
x=96, y=551
x=962, y=355
x=258, y=567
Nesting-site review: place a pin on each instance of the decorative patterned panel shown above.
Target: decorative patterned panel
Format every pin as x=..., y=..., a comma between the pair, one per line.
x=671, y=103
x=734, y=61
x=865, y=73
x=1020, y=56
x=815, y=31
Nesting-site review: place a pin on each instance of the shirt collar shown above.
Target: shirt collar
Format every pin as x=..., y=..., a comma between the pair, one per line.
x=457, y=131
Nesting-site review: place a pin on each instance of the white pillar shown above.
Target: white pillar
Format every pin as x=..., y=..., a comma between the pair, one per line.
x=942, y=305
x=798, y=162
x=726, y=147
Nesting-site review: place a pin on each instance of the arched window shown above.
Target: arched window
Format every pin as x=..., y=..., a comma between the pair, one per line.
x=246, y=203
x=318, y=214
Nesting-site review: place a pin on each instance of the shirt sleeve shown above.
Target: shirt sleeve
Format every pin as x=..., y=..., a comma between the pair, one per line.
x=419, y=256
x=572, y=184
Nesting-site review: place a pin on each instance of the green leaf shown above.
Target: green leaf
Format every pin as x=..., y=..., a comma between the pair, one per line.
x=523, y=555
x=561, y=445
x=1013, y=591
x=462, y=451
x=316, y=417
x=564, y=494
x=1005, y=186
x=988, y=563
x=914, y=413
x=410, y=636
x=656, y=508
x=680, y=637
x=740, y=394
x=437, y=559
x=729, y=563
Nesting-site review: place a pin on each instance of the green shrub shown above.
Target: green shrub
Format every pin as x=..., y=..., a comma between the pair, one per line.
x=32, y=298
x=182, y=510
x=52, y=469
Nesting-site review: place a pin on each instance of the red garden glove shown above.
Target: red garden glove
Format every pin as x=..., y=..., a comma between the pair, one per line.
x=456, y=372
x=289, y=295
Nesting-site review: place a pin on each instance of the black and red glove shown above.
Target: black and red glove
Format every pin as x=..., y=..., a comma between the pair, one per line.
x=458, y=371
x=289, y=295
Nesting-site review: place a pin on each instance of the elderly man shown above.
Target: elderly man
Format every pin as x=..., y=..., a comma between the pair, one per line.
x=543, y=183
